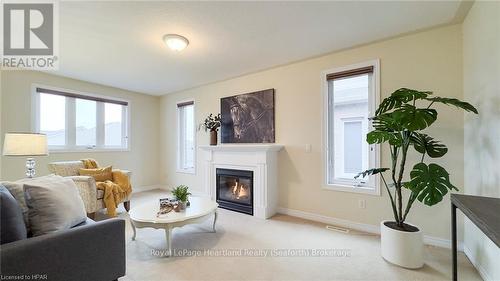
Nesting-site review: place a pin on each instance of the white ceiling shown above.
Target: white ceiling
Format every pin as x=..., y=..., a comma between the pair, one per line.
x=120, y=43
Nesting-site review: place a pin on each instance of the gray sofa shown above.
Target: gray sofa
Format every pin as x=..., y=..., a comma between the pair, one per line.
x=93, y=251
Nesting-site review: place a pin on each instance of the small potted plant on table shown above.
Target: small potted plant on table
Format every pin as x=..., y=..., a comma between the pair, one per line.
x=212, y=124
x=181, y=193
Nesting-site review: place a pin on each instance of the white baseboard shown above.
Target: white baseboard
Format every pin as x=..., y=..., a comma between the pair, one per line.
x=369, y=228
x=330, y=220
x=441, y=242
x=199, y=193
x=164, y=187
x=147, y=187
x=473, y=259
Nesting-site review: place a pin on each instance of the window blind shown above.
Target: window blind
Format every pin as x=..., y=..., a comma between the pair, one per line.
x=350, y=72
x=78, y=96
x=181, y=104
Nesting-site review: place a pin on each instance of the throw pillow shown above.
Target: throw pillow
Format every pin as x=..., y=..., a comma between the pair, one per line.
x=53, y=205
x=12, y=227
x=99, y=174
x=17, y=190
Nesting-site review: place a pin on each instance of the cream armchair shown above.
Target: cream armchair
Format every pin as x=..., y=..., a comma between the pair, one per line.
x=92, y=197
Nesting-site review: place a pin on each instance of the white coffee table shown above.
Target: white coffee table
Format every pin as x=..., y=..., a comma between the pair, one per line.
x=145, y=215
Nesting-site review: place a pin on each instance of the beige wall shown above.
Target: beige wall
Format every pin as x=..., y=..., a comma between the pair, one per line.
x=142, y=159
x=1, y=141
x=481, y=48
x=430, y=60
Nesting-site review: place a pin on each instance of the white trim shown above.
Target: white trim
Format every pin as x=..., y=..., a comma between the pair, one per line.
x=137, y=189
x=352, y=189
x=199, y=193
x=243, y=147
x=369, y=228
x=70, y=119
x=178, y=169
x=186, y=171
x=100, y=128
x=166, y=188
x=35, y=110
x=126, y=126
x=441, y=242
x=330, y=220
x=69, y=123
x=473, y=259
x=83, y=149
x=325, y=138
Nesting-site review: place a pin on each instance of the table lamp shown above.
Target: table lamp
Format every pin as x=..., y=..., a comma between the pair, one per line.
x=28, y=145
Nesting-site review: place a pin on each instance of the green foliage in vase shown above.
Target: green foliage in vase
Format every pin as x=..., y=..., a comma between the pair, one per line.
x=181, y=193
x=211, y=123
x=399, y=122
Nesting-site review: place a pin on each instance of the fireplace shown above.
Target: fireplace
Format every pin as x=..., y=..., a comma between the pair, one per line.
x=262, y=159
x=234, y=190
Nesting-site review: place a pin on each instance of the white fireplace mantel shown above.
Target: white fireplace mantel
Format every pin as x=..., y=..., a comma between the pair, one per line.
x=242, y=147
x=261, y=159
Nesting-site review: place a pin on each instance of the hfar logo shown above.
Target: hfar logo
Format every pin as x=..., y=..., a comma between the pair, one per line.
x=28, y=29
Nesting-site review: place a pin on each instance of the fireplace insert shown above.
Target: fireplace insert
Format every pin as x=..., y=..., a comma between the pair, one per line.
x=235, y=190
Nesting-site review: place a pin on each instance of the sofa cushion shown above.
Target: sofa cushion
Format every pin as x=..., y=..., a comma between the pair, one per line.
x=16, y=188
x=99, y=174
x=12, y=227
x=53, y=205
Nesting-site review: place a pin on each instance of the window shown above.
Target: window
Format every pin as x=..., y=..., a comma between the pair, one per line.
x=350, y=100
x=186, y=141
x=113, y=124
x=52, y=120
x=75, y=122
x=86, y=122
x=353, y=143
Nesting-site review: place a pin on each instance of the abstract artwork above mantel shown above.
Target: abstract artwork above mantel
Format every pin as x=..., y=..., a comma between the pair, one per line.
x=248, y=118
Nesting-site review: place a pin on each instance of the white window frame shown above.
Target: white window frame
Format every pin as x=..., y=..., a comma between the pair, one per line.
x=180, y=169
x=354, y=186
x=70, y=146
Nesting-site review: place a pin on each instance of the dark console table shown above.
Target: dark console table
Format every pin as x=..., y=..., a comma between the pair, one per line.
x=484, y=212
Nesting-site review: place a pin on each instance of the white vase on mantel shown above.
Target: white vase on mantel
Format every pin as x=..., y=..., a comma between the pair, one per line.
x=402, y=248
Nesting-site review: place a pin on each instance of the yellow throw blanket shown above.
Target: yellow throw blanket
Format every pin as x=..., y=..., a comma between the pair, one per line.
x=114, y=191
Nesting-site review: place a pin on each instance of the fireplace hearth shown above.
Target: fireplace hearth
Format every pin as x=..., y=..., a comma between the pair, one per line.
x=234, y=190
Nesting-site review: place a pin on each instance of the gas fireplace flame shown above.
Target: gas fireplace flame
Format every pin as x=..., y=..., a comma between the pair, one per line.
x=239, y=190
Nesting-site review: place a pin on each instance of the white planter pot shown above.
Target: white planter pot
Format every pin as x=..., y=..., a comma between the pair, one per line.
x=402, y=248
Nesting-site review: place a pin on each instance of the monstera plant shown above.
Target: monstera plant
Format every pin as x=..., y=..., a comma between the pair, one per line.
x=400, y=122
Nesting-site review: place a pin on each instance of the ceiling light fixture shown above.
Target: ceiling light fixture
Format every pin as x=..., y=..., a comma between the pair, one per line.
x=175, y=42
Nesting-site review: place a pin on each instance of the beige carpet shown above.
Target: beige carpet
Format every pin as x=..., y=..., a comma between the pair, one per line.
x=357, y=257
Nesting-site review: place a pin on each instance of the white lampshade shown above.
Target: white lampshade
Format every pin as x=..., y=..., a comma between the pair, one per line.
x=25, y=144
